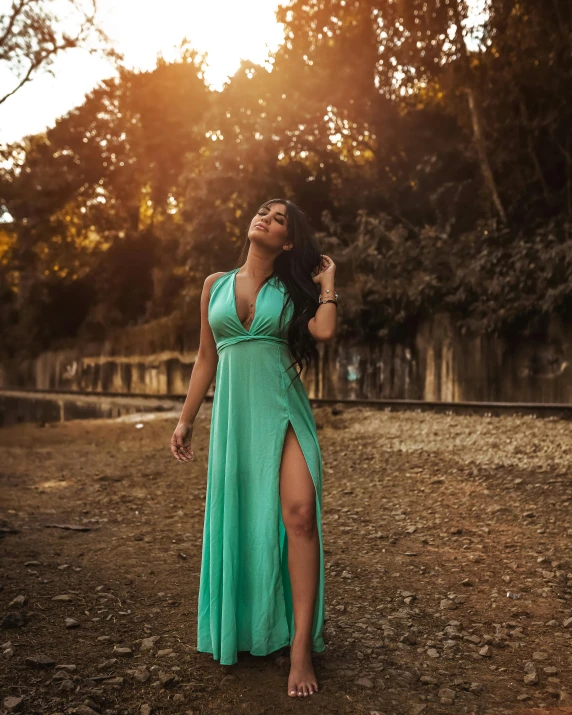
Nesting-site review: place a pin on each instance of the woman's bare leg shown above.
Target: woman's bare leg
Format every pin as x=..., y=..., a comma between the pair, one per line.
x=298, y=505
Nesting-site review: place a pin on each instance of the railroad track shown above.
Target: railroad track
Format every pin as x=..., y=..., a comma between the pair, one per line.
x=538, y=409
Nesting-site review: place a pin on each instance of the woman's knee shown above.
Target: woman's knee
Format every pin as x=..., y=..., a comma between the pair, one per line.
x=300, y=518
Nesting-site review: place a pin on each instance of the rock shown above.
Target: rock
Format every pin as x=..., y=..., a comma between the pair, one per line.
x=149, y=643
x=428, y=680
x=123, y=652
x=12, y=704
x=69, y=668
x=72, y=623
x=552, y=692
x=432, y=652
x=65, y=597
x=565, y=699
x=486, y=651
x=418, y=709
x=365, y=682
x=550, y=670
x=145, y=709
x=103, y=639
x=530, y=679
x=476, y=688
x=113, y=682
x=61, y=675
x=567, y=623
x=39, y=661
x=18, y=602
x=106, y=664
x=524, y=696
x=447, y=604
x=140, y=674
x=446, y=696
x=539, y=655
x=164, y=652
x=14, y=620
x=167, y=679
x=84, y=710
x=408, y=638
x=472, y=639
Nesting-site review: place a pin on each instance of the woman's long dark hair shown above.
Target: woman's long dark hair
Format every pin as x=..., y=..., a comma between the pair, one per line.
x=295, y=268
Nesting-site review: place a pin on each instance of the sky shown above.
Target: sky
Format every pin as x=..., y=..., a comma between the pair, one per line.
x=228, y=30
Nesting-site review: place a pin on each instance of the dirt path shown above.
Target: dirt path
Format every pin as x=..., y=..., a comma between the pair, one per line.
x=448, y=581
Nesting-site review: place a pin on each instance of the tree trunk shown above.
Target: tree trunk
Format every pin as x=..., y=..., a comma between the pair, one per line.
x=484, y=164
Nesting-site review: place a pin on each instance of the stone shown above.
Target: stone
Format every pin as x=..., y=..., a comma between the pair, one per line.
x=567, y=623
x=145, y=709
x=65, y=597
x=72, y=623
x=166, y=678
x=123, y=652
x=140, y=674
x=539, y=655
x=446, y=696
x=428, y=680
x=365, y=682
x=164, y=652
x=408, y=638
x=472, y=639
x=486, y=651
x=84, y=710
x=447, y=604
x=14, y=620
x=12, y=704
x=40, y=661
x=18, y=602
x=433, y=653
x=530, y=679
x=149, y=643
x=113, y=682
x=61, y=675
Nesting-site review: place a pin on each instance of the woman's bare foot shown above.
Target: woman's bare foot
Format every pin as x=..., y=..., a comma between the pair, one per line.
x=301, y=680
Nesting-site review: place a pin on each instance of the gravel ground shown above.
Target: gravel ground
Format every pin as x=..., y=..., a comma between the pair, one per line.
x=448, y=570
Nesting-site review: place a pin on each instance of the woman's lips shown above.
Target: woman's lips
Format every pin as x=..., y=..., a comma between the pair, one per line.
x=261, y=226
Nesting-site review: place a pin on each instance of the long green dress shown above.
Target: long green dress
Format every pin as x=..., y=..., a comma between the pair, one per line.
x=245, y=597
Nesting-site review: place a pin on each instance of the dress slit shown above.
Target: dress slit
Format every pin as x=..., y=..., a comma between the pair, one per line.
x=317, y=625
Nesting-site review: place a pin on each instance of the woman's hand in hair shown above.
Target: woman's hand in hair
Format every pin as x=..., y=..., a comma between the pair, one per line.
x=325, y=271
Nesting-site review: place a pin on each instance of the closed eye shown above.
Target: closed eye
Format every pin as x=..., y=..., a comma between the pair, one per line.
x=260, y=213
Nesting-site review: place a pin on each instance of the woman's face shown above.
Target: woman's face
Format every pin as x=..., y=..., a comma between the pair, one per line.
x=270, y=225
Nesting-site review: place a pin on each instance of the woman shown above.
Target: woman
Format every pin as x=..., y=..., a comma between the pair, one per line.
x=262, y=572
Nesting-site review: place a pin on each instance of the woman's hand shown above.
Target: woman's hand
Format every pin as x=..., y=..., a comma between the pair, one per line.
x=325, y=271
x=181, y=442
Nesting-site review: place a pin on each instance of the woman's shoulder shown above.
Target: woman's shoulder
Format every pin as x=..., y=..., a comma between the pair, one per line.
x=213, y=278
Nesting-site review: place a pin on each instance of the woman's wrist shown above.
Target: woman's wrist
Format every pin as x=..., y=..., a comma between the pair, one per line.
x=186, y=423
x=327, y=290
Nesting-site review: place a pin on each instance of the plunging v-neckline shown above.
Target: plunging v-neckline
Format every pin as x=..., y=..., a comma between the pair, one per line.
x=255, y=301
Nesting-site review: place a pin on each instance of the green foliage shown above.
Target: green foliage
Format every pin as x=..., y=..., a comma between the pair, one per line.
x=432, y=152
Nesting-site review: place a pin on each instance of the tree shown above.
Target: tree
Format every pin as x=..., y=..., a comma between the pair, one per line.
x=32, y=35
